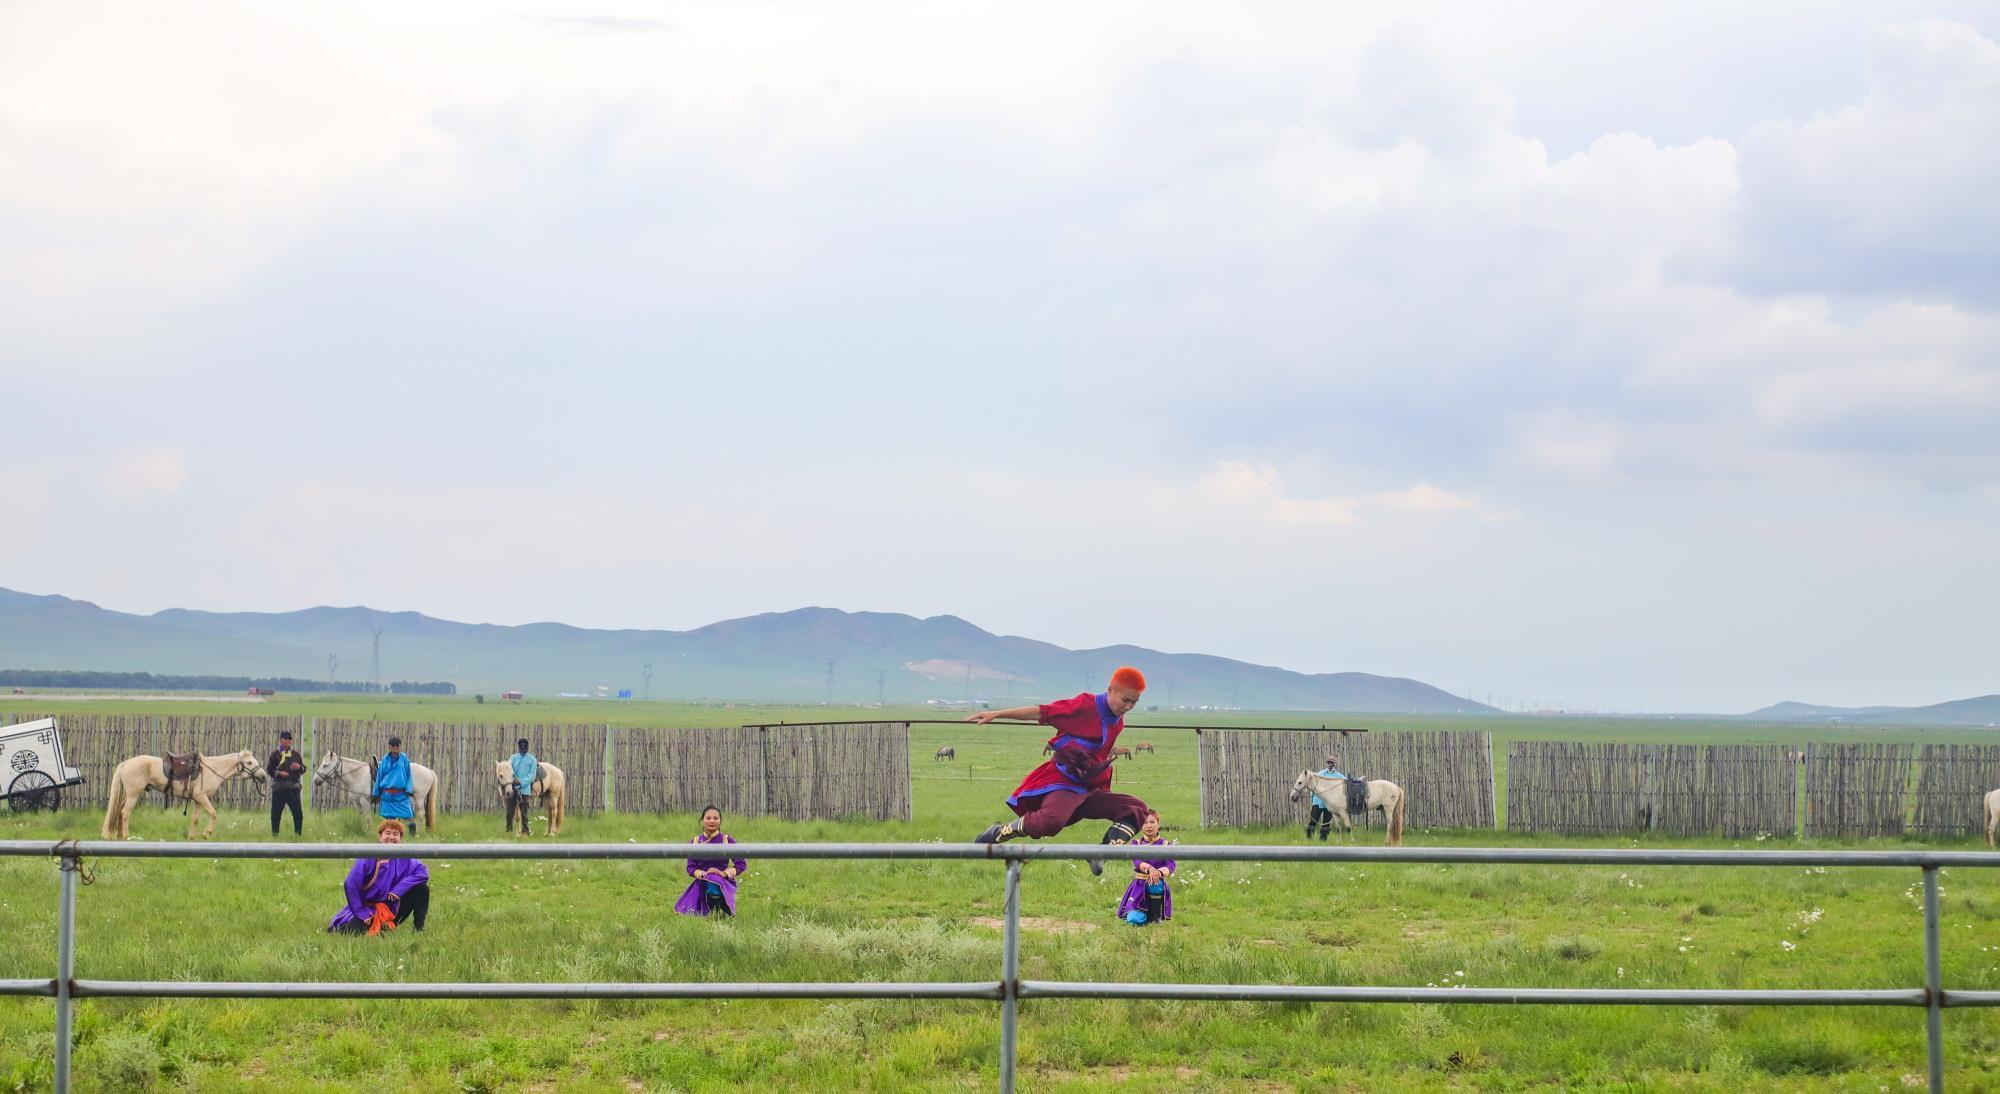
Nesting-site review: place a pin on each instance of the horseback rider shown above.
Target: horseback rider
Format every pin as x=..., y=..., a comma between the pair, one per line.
x=523, y=766
x=1321, y=816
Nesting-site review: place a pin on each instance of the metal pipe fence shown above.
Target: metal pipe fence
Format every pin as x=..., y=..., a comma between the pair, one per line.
x=1009, y=989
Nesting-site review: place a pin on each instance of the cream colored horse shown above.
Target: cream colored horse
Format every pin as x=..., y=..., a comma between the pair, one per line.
x=1382, y=794
x=1992, y=814
x=131, y=780
x=352, y=776
x=551, y=788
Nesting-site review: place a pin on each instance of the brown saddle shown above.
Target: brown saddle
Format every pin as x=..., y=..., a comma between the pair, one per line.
x=182, y=768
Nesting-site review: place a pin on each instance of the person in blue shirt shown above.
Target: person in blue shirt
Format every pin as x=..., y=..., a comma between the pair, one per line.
x=525, y=769
x=1322, y=817
x=392, y=785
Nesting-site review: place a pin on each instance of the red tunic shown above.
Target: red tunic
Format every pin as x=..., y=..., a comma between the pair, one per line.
x=1085, y=731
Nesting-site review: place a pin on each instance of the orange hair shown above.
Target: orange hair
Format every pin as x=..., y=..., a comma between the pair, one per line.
x=391, y=822
x=1129, y=678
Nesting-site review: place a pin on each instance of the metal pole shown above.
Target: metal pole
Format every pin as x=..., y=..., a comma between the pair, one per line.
x=1933, y=981
x=1010, y=976
x=65, y=964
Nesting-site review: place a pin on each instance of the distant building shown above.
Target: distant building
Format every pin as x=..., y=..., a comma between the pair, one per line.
x=510, y=695
x=260, y=691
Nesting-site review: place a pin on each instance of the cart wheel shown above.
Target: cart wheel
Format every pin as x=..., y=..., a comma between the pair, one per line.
x=32, y=792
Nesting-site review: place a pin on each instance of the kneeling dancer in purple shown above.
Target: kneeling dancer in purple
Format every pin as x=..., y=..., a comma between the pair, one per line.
x=1148, y=899
x=383, y=892
x=714, y=886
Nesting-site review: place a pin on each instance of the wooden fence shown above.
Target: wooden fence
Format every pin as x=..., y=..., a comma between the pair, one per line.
x=1247, y=776
x=1858, y=789
x=95, y=744
x=797, y=772
x=1952, y=783
x=463, y=755
x=804, y=772
x=1686, y=790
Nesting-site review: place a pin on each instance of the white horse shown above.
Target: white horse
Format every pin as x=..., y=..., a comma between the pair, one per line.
x=551, y=788
x=139, y=774
x=353, y=776
x=1992, y=814
x=1382, y=794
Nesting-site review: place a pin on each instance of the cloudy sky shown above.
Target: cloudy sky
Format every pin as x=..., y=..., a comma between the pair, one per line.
x=1640, y=357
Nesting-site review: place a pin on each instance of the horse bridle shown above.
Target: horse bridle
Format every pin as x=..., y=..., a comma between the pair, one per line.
x=245, y=765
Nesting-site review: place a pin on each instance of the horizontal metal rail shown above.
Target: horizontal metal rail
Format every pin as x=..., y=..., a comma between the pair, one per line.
x=1010, y=989
x=1129, y=726
x=1027, y=852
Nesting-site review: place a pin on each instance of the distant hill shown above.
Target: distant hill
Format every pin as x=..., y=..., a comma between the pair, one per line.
x=778, y=656
x=1982, y=710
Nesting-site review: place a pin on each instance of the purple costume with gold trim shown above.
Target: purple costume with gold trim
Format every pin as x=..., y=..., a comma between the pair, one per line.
x=1135, y=893
x=690, y=902
x=375, y=881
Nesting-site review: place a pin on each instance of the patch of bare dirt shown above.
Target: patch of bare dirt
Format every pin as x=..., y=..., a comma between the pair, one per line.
x=1037, y=923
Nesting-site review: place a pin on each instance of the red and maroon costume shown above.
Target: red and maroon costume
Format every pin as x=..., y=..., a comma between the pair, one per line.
x=1076, y=784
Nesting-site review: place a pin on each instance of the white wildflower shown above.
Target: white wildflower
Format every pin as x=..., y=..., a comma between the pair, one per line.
x=1786, y=945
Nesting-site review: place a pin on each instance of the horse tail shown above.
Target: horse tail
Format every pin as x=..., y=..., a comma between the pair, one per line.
x=1396, y=818
x=430, y=807
x=117, y=800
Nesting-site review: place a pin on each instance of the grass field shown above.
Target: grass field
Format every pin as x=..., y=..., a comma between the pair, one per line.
x=1412, y=925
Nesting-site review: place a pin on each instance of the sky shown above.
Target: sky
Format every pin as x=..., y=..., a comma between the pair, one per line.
x=1638, y=357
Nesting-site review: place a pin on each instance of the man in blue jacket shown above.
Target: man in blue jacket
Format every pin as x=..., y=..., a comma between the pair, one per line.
x=392, y=785
x=1322, y=817
x=525, y=769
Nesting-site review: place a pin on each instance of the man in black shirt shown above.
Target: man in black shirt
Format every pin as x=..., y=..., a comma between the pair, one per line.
x=285, y=767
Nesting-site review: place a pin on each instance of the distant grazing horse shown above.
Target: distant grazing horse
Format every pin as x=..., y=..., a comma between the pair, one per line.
x=1382, y=794
x=946, y=753
x=1120, y=751
x=550, y=789
x=1143, y=746
x=139, y=774
x=353, y=776
x=1992, y=814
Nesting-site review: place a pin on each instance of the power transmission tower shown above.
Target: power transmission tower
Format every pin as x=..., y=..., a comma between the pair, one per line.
x=881, y=687
x=647, y=672
x=829, y=681
x=332, y=668
x=375, y=665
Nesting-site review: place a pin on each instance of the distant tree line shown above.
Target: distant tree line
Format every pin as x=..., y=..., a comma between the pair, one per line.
x=146, y=681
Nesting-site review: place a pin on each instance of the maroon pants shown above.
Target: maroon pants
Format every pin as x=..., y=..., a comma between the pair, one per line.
x=1058, y=809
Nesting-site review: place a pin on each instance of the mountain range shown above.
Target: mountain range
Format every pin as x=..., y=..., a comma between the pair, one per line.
x=1982, y=710
x=777, y=656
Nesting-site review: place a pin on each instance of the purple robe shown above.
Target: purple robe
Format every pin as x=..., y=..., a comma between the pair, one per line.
x=690, y=902
x=375, y=881
x=1135, y=893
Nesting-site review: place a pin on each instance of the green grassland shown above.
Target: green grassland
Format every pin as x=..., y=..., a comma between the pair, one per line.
x=1245, y=922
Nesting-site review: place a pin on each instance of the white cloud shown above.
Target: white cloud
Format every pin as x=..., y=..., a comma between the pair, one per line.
x=152, y=471
x=1258, y=490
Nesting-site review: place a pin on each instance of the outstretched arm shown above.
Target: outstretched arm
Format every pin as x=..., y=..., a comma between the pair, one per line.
x=1018, y=714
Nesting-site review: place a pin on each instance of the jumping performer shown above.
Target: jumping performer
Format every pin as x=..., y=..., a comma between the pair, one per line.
x=1076, y=784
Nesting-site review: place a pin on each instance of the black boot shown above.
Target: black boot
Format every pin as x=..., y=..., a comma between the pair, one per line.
x=1155, y=907
x=1117, y=833
x=1000, y=832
